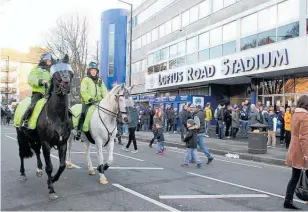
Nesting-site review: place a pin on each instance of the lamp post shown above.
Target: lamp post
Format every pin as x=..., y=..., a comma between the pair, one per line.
x=130, y=42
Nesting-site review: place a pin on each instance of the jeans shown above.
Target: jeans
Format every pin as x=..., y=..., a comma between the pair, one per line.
x=124, y=128
x=160, y=147
x=234, y=132
x=228, y=125
x=292, y=183
x=132, y=138
x=244, y=128
x=146, y=124
x=169, y=124
x=202, y=146
x=183, y=132
x=221, y=132
x=207, y=126
x=288, y=138
x=191, y=153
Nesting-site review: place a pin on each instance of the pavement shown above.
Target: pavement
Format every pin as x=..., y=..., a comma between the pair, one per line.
x=274, y=156
x=144, y=182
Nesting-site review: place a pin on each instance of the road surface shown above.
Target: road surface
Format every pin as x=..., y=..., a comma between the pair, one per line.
x=144, y=182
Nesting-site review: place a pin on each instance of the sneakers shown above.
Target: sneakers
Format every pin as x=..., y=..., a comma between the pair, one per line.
x=150, y=146
x=206, y=136
x=77, y=137
x=210, y=160
x=125, y=149
x=199, y=165
x=135, y=151
x=185, y=165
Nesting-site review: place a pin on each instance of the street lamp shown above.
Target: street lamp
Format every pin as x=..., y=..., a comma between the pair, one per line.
x=130, y=42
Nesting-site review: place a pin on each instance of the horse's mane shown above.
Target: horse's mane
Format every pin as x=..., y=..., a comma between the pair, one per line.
x=111, y=93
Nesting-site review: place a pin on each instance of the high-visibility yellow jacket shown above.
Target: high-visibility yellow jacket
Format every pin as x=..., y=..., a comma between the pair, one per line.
x=90, y=89
x=35, y=78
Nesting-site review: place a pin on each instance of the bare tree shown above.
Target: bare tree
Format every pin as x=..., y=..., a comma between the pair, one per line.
x=95, y=56
x=70, y=36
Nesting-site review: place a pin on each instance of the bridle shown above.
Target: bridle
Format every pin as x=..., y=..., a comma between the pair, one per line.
x=111, y=113
x=65, y=78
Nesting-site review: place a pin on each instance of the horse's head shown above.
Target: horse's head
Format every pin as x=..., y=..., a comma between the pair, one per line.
x=122, y=96
x=62, y=74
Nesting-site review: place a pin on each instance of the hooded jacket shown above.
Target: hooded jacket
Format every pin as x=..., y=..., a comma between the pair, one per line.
x=36, y=77
x=91, y=89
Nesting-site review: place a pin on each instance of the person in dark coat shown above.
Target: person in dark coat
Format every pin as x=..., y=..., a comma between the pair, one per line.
x=132, y=126
x=221, y=120
x=191, y=143
x=184, y=116
x=175, y=120
x=235, y=121
x=140, y=121
x=146, y=120
x=228, y=120
x=169, y=118
x=119, y=129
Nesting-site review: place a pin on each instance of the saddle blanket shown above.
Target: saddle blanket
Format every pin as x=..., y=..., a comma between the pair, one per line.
x=76, y=111
x=21, y=109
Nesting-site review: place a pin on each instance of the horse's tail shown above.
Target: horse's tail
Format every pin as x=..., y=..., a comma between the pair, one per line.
x=24, y=145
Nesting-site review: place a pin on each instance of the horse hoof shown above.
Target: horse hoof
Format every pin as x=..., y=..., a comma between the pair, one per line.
x=106, y=166
x=69, y=165
x=92, y=172
x=39, y=173
x=53, y=196
x=103, y=181
x=23, y=178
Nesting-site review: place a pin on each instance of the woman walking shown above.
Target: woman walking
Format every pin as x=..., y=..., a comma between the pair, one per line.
x=298, y=150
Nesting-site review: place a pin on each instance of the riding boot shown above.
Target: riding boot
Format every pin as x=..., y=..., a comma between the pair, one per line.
x=48, y=93
x=26, y=117
x=80, y=123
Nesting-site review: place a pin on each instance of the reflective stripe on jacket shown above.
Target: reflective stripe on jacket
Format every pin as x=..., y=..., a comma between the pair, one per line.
x=35, y=78
x=89, y=89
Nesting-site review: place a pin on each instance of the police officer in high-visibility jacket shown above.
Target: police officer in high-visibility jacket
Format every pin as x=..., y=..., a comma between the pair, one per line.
x=92, y=90
x=39, y=80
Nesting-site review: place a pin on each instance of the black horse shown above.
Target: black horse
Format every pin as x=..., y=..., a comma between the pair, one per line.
x=53, y=127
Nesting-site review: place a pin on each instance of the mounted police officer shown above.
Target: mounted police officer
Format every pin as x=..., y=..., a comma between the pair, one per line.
x=92, y=90
x=39, y=80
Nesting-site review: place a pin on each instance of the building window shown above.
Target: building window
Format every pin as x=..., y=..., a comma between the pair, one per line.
x=192, y=58
x=185, y=18
x=176, y=23
x=156, y=57
x=160, y=67
x=204, y=9
x=267, y=37
x=191, y=45
x=177, y=62
x=217, y=5
x=138, y=43
x=164, y=54
x=249, y=25
x=229, y=2
x=204, y=40
x=150, y=59
x=229, y=32
x=267, y=18
x=181, y=47
x=216, y=36
x=193, y=14
x=173, y=51
x=162, y=31
x=229, y=48
x=111, y=50
x=288, y=31
x=215, y=52
x=249, y=42
x=144, y=40
x=168, y=27
x=288, y=12
x=143, y=65
x=306, y=26
x=149, y=38
x=154, y=34
x=204, y=55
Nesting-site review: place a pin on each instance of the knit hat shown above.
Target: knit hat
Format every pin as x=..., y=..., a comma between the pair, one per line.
x=191, y=122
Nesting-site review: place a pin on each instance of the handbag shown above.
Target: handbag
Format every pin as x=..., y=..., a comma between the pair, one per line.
x=301, y=189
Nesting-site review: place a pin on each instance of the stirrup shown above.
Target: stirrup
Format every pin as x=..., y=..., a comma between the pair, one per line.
x=78, y=136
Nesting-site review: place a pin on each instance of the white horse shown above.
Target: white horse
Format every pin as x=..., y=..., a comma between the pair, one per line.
x=103, y=129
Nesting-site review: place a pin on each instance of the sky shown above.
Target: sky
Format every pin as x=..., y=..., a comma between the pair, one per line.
x=24, y=23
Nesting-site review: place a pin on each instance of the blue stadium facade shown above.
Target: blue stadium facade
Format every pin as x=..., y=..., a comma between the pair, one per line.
x=113, y=46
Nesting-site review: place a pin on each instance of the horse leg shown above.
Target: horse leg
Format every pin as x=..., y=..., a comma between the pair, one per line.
x=23, y=176
x=69, y=147
x=48, y=169
x=90, y=167
x=39, y=171
x=62, y=155
x=100, y=168
x=110, y=155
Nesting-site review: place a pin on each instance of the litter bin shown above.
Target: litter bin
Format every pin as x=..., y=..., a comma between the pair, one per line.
x=257, y=141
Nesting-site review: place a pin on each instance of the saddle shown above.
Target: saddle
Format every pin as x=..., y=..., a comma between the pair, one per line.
x=76, y=111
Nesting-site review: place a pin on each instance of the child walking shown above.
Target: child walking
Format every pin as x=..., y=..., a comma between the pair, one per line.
x=159, y=135
x=191, y=144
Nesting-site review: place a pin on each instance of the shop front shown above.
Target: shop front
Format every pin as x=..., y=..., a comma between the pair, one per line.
x=275, y=74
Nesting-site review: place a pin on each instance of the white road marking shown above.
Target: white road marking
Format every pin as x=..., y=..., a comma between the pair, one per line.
x=145, y=198
x=9, y=133
x=82, y=152
x=11, y=137
x=137, y=168
x=243, y=164
x=212, y=196
x=78, y=167
x=124, y=155
x=241, y=186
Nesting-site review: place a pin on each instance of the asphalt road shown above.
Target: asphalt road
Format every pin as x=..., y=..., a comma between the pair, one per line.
x=144, y=182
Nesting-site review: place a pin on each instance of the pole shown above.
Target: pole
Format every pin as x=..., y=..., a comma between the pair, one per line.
x=7, y=79
x=130, y=45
